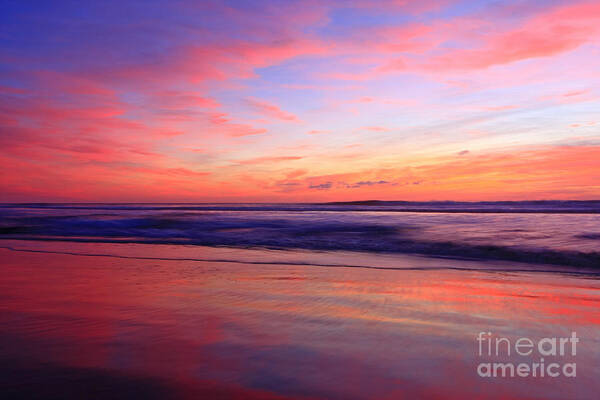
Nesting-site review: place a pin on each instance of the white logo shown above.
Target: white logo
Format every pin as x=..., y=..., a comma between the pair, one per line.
x=502, y=347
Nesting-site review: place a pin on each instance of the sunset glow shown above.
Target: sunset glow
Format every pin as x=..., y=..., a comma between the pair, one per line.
x=208, y=101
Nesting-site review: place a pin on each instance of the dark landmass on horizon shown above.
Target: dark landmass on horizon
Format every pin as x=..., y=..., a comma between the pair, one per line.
x=407, y=202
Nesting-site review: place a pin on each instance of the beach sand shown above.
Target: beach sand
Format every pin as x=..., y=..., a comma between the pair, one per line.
x=151, y=321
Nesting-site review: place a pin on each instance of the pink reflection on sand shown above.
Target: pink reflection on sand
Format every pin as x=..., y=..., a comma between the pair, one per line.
x=290, y=330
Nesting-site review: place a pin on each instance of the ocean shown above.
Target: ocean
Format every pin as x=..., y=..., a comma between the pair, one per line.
x=537, y=232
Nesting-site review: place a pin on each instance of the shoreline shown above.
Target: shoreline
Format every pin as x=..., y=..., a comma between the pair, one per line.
x=574, y=261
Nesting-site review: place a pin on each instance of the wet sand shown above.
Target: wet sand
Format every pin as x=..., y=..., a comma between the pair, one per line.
x=76, y=326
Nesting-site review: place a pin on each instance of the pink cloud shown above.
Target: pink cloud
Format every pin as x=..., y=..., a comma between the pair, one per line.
x=375, y=129
x=480, y=42
x=274, y=159
x=546, y=34
x=271, y=110
x=572, y=96
x=364, y=99
x=176, y=99
x=220, y=123
x=501, y=108
x=405, y=6
x=575, y=93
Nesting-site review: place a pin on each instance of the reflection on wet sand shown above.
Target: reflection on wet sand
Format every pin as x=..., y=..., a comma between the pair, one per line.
x=123, y=328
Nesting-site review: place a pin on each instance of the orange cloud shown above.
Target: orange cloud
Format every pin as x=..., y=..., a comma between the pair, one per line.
x=545, y=172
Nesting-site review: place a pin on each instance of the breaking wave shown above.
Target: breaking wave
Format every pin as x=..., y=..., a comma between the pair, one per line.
x=560, y=239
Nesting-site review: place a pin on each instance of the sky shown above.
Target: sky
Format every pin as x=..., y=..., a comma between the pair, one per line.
x=296, y=101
